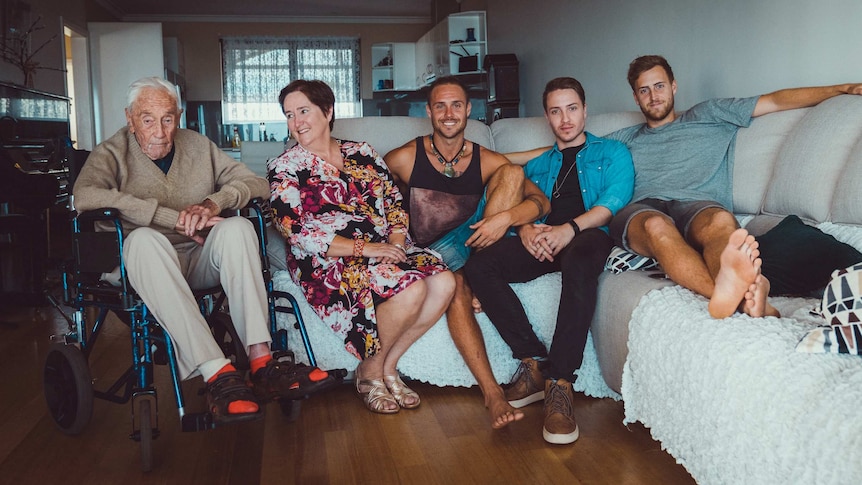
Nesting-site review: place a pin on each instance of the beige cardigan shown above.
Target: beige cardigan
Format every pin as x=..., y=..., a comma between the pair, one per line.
x=118, y=174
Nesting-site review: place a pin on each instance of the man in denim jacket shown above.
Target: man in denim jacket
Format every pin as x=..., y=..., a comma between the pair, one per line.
x=587, y=179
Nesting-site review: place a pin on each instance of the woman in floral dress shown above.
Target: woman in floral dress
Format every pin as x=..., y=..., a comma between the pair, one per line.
x=340, y=212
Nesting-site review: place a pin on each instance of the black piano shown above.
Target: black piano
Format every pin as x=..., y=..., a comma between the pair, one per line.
x=34, y=147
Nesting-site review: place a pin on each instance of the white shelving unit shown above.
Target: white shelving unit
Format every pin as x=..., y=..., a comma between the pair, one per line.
x=466, y=36
x=393, y=66
x=457, y=45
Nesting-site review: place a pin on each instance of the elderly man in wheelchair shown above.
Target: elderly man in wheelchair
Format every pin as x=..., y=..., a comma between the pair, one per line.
x=169, y=186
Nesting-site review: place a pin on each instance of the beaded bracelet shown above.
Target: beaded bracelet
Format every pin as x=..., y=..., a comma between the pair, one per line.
x=358, y=247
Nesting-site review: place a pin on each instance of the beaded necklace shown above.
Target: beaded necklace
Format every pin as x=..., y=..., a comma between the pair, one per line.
x=448, y=165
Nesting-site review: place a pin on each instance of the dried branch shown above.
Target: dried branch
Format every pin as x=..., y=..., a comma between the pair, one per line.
x=16, y=50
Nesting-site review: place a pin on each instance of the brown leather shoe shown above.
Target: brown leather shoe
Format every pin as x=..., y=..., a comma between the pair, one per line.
x=560, y=425
x=527, y=384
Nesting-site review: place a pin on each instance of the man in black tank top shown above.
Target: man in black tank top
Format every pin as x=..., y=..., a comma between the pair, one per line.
x=588, y=179
x=462, y=198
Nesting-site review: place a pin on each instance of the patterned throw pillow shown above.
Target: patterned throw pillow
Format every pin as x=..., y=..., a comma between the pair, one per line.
x=621, y=260
x=841, y=306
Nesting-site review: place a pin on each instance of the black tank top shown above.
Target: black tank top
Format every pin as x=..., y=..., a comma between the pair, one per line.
x=436, y=203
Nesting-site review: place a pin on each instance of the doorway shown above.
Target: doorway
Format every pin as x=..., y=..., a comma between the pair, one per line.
x=81, y=125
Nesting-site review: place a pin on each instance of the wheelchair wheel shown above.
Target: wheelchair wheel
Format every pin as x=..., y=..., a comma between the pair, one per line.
x=68, y=388
x=227, y=338
x=146, y=434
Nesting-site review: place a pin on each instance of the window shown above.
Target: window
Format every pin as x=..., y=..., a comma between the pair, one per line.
x=255, y=69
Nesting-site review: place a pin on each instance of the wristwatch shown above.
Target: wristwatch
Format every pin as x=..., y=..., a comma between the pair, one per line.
x=575, y=226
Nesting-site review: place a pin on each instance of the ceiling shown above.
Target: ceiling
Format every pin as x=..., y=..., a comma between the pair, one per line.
x=352, y=11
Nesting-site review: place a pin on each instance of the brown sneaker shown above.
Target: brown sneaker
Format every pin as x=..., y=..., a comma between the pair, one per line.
x=560, y=425
x=526, y=386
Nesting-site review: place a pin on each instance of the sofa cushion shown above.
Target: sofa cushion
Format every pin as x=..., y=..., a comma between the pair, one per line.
x=841, y=307
x=834, y=339
x=800, y=259
x=755, y=157
x=846, y=208
x=521, y=134
x=604, y=123
x=618, y=296
x=811, y=164
x=621, y=260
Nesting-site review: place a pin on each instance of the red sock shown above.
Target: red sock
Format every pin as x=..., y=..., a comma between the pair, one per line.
x=317, y=375
x=260, y=362
x=226, y=368
x=236, y=407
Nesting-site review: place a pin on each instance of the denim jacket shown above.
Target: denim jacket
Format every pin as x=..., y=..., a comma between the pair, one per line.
x=605, y=172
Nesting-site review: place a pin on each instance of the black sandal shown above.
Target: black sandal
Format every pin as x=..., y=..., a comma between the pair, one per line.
x=284, y=379
x=230, y=387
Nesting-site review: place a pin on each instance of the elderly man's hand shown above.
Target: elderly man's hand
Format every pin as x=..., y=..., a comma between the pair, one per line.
x=196, y=218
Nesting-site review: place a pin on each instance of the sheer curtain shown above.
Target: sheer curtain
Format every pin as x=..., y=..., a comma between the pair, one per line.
x=255, y=69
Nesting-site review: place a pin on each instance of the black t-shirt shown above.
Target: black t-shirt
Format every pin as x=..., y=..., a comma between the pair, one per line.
x=566, y=199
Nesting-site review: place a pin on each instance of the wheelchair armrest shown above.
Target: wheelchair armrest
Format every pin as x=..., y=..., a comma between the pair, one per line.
x=97, y=251
x=254, y=207
x=103, y=214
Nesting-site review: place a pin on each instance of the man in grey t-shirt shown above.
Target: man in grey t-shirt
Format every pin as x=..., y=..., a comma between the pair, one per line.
x=683, y=184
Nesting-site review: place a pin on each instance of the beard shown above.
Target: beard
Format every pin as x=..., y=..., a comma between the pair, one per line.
x=661, y=114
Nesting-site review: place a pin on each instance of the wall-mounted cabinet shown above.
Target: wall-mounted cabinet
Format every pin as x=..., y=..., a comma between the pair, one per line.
x=393, y=66
x=467, y=42
x=457, y=45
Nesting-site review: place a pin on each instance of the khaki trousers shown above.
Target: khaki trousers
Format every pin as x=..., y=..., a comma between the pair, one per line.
x=164, y=276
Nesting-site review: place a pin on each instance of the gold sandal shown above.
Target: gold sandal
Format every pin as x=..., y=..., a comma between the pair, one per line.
x=400, y=392
x=374, y=394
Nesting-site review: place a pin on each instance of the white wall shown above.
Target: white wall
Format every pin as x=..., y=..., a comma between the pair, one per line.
x=121, y=53
x=724, y=48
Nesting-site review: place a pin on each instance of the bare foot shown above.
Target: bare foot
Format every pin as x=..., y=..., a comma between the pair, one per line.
x=477, y=305
x=740, y=265
x=501, y=412
x=757, y=299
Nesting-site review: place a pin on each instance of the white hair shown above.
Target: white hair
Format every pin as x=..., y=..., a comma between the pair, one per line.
x=152, y=83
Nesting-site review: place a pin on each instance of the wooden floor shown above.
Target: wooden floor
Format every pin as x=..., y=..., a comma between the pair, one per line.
x=448, y=440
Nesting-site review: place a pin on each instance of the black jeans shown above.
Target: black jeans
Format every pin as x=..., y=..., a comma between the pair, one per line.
x=490, y=271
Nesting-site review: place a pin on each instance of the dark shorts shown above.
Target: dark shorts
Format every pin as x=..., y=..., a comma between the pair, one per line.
x=680, y=212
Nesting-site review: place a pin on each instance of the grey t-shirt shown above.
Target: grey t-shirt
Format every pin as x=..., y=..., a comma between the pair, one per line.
x=690, y=158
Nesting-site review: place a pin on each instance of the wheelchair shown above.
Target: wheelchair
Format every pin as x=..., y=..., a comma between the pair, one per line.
x=68, y=386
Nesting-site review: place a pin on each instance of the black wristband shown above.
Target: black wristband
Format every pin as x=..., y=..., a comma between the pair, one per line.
x=575, y=226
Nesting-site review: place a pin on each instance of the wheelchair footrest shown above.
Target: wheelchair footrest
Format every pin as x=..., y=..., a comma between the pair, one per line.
x=335, y=378
x=197, y=422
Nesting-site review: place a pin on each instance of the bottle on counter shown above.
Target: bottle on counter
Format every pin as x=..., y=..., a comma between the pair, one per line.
x=236, y=142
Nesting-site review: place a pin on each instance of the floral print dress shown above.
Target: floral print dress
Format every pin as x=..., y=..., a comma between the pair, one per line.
x=312, y=202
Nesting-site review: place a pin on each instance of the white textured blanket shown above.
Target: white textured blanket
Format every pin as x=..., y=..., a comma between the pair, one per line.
x=734, y=402
x=434, y=358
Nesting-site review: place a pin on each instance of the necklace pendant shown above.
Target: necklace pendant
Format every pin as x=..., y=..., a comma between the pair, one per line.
x=449, y=170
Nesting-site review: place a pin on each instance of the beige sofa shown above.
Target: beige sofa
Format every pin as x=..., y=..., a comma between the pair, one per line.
x=731, y=399
x=798, y=162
